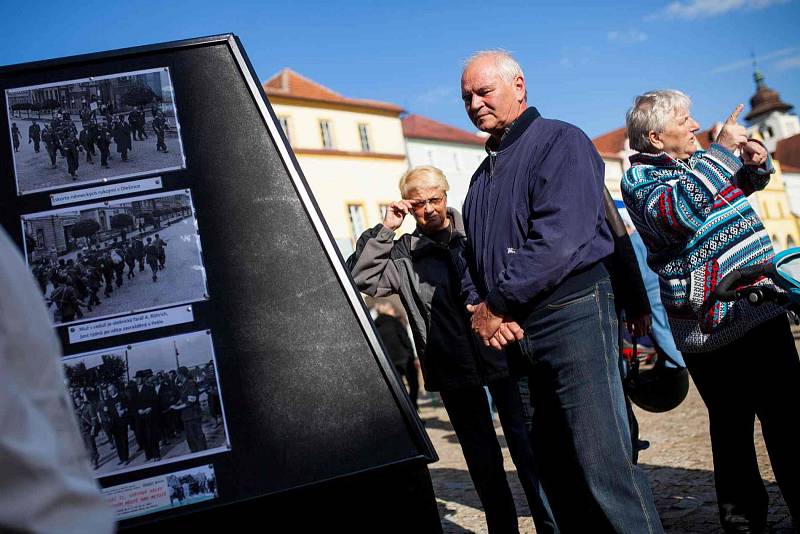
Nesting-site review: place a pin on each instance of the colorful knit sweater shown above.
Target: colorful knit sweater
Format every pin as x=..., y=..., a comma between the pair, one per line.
x=698, y=226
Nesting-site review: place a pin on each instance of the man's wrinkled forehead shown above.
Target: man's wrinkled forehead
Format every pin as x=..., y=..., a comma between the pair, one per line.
x=479, y=86
x=482, y=71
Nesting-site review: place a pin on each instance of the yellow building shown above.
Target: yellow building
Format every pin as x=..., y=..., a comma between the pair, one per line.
x=352, y=152
x=772, y=205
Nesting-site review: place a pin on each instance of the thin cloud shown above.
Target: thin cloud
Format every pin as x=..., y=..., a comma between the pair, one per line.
x=627, y=37
x=745, y=63
x=572, y=56
x=696, y=9
x=788, y=63
x=437, y=94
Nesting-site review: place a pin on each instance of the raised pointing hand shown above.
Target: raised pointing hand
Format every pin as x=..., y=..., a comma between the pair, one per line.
x=735, y=115
x=732, y=136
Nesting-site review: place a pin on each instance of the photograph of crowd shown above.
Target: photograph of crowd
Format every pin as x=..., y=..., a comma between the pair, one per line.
x=153, y=402
x=116, y=257
x=191, y=486
x=94, y=129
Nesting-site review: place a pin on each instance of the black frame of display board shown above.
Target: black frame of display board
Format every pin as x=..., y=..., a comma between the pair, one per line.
x=352, y=385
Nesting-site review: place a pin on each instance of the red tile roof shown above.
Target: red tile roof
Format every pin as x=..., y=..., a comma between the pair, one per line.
x=287, y=83
x=419, y=127
x=612, y=143
x=787, y=152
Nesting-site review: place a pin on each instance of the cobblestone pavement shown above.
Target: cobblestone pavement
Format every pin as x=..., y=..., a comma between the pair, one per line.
x=678, y=464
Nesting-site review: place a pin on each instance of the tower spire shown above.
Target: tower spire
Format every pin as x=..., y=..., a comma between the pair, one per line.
x=758, y=77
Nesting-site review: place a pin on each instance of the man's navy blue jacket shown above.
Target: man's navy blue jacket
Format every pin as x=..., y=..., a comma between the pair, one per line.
x=534, y=217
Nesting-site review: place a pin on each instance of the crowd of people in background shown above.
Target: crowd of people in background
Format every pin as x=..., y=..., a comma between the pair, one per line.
x=545, y=268
x=159, y=409
x=76, y=283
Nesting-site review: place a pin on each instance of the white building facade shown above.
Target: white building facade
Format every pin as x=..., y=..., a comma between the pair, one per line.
x=456, y=152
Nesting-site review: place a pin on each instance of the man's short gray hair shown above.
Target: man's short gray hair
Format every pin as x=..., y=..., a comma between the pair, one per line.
x=650, y=113
x=507, y=66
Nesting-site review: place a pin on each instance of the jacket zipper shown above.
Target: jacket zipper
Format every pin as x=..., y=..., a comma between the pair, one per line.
x=476, y=354
x=486, y=210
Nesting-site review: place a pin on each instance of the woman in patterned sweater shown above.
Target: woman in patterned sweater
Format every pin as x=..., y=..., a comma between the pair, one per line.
x=691, y=209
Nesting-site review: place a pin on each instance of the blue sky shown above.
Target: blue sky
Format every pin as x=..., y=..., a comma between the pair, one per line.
x=584, y=61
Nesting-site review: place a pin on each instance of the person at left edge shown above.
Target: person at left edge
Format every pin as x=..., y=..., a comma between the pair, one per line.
x=47, y=484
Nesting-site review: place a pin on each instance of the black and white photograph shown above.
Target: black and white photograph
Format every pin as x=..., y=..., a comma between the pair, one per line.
x=117, y=257
x=111, y=127
x=150, y=403
x=193, y=486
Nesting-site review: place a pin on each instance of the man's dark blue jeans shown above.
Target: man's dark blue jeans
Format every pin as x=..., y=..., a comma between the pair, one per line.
x=580, y=428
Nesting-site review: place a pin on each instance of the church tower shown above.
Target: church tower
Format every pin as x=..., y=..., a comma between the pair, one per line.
x=769, y=114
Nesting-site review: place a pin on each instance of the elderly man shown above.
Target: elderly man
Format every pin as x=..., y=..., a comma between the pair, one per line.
x=537, y=236
x=425, y=269
x=691, y=209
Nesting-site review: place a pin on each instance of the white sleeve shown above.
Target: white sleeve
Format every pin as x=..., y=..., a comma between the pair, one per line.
x=46, y=483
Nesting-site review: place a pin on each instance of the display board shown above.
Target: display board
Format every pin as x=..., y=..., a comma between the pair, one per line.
x=216, y=350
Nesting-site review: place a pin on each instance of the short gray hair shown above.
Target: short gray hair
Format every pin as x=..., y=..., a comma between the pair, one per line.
x=650, y=113
x=507, y=66
x=420, y=177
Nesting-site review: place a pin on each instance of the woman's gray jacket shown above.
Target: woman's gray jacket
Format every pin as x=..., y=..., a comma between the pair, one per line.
x=427, y=277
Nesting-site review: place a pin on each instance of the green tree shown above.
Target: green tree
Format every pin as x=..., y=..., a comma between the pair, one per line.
x=121, y=222
x=112, y=369
x=138, y=95
x=22, y=106
x=76, y=374
x=50, y=105
x=85, y=228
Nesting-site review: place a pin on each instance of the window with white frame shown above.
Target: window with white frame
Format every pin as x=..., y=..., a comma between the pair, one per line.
x=355, y=213
x=326, y=131
x=284, y=120
x=363, y=133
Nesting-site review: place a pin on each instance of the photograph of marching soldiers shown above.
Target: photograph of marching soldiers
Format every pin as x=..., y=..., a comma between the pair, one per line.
x=94, y=129
x=149, y=403
x=116, y=257
x=191, y=486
